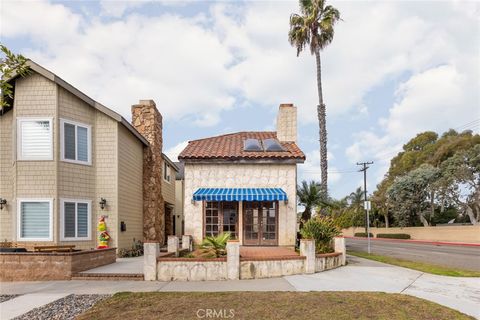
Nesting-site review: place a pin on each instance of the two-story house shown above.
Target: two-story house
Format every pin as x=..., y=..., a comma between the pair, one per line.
x=66, y=160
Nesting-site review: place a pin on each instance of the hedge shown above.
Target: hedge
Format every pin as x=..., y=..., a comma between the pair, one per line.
x=393, y=235
x=363, y=234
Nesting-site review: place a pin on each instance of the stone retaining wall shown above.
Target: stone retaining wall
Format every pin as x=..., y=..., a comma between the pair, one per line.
x=36, y=266
x=257, y=269
x=233, y=267
x=186, y=269
x=328, y=261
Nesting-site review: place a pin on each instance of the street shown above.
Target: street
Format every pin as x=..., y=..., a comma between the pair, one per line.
x=461, y=257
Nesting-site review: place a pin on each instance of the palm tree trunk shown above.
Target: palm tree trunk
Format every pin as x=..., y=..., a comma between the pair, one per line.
x=322, y=123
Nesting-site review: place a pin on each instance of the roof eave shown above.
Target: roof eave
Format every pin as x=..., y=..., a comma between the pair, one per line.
x=98, y=106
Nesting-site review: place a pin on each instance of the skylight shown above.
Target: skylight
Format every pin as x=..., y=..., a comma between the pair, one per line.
x=252, y=145
x=272, y=145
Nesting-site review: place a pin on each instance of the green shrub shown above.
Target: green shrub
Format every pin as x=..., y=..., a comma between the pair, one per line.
x=393, y=235
x=362, y=234
x=135, y=251
x=322, y=230
x=215, y=246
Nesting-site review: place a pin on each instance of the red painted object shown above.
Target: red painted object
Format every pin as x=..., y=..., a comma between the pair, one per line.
x=437, y=243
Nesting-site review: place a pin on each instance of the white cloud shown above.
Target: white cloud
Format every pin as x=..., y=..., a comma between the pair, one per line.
x=116, y=8
x=176, y=61
x=174, y=151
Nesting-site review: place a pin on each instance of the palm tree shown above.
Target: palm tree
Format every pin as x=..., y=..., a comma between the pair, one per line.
x=309, y=195
x=314, y=28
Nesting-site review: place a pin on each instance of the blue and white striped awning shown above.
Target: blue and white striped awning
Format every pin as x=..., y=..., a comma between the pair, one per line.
x=239, y=194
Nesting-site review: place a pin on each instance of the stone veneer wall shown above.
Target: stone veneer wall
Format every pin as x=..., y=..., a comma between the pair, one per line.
x=257, y=269
x=328, y=261
x=171, y=269
x=238, y=175
x=148, y=122
x=287, y=123
x=37, y=266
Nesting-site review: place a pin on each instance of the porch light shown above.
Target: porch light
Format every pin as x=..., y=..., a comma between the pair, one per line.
x=102, y=203
x=2, y=203
x=193, y=202
x=286, y=201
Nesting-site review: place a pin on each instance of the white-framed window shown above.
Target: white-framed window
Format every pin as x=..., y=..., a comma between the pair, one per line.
x=75, y=142
x=34, y=139
x=166, y=171
x=35, y=219
x=75, y=219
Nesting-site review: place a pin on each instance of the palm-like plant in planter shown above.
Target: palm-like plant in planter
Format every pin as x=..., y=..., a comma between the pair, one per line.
x=215, y=246
x=322, y=230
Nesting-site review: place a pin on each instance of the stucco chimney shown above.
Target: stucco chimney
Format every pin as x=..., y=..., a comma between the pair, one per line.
x=148, y=122
x=287, y=122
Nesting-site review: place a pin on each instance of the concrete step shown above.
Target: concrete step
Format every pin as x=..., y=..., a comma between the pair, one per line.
x=108, y=276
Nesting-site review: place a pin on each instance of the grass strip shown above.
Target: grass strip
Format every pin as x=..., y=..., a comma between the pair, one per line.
x=268, y=305
x=420, y=266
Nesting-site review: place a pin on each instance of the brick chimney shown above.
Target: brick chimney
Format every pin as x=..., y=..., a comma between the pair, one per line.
x=148, y=122
x=287, y=122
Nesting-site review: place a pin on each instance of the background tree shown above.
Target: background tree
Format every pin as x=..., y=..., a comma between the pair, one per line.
x=411, y=195
x=461, y=177
x=314, y=27
x=10, y=65
x=309, y=194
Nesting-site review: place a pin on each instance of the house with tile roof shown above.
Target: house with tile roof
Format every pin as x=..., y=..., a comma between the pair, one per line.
x=244, y=183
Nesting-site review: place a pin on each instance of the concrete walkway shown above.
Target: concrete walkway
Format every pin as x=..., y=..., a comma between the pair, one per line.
x=462, y=294
x=122, y=265
x=16, y=307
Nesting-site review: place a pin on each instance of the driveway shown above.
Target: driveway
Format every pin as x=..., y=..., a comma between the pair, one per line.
x=455, y=256
x=360, y=274
x=462, y=294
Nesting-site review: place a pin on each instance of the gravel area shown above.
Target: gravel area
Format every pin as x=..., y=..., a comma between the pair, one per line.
x=63, y=309
x=5, y=297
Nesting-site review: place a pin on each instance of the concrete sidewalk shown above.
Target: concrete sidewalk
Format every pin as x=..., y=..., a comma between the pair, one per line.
x=360, y=274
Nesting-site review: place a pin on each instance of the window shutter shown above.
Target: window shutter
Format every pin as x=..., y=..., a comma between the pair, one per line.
x=69, y=222
x=82, y=219
x=69, y=133
x=82, y=143
x=35, y=220
x=36, y=139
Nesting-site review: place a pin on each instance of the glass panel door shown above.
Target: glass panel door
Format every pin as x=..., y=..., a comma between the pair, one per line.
x=230, y=218
x=260, y=223
x=251, y=224
x=269, y=223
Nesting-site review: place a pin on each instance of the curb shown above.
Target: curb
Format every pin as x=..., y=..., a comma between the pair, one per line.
x=438, y=243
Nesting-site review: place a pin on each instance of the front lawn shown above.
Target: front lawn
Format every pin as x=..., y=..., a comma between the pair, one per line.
x=268, y=305
x=420, y=266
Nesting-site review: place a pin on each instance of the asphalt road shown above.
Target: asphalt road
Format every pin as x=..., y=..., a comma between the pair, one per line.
x=461, y=257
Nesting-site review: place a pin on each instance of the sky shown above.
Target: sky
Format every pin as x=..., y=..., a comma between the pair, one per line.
x=394, y=69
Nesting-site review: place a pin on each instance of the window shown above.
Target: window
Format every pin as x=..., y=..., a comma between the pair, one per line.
x=76, y=220
x=75, y=142
x=35, y=220
x=221, y=217
x=34, y=138
x=212, y=218
x=166, y=171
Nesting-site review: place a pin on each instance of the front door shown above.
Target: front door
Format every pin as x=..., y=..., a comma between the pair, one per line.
x=260, y=220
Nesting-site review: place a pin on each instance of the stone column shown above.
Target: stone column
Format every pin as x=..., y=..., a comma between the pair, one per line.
x=148, y=122
x=187, y=243
x=233, y=260
x=151, y=251
x=307, y=249
x=340, y=247
x=173, y=244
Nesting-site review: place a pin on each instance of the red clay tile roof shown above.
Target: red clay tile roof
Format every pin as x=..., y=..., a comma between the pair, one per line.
x=230, y=147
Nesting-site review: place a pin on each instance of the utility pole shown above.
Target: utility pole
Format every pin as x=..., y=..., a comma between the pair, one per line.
x=366, y=203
